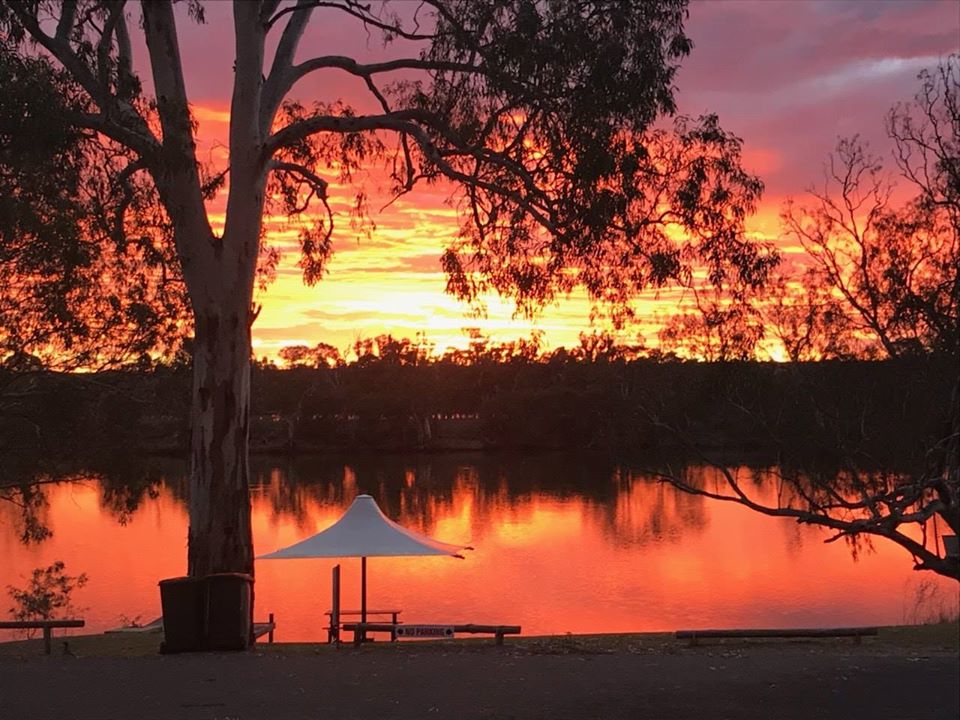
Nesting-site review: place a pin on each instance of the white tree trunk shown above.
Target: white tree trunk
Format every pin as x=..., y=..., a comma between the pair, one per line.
x=220, y=534
x=220, y=276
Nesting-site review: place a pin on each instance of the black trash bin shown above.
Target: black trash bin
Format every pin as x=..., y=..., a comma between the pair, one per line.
x=182, y=601
x=229, y=615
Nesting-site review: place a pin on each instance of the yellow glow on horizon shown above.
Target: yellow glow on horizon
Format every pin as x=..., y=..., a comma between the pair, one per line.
x=389, y=281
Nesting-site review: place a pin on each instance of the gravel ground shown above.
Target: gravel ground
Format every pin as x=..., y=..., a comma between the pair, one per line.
x=552, y=678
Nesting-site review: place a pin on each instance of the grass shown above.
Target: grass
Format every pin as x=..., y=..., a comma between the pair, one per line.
x=941, y=636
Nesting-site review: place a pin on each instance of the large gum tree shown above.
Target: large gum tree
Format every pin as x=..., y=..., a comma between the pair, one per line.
x=546, y=119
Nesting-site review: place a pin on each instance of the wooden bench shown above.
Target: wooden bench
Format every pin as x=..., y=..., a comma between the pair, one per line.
x=46, y=625
x=438, y=631
x=333, y=633
x=855, y=632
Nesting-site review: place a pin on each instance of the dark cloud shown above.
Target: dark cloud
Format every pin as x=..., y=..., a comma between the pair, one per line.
x=791, y=77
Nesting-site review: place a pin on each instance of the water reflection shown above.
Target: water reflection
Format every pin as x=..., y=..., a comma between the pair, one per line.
x=563, y=544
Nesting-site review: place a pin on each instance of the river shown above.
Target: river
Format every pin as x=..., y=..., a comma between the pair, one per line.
x=561, y=545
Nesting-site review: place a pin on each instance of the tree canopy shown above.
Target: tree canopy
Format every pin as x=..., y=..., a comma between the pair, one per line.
x=546, y=119
x=879, y=276
x=882, y=280
x=86, y=277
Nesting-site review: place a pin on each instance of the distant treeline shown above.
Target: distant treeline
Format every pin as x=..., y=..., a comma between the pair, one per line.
x=828, y=412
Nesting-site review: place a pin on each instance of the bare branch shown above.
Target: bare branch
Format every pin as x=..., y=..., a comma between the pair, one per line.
x=65, y=24
x=279, y=81
x=60, y=49
x=267, y=9
x=106, y=44
x=124, y=56
x=317, y=183
x=357, y=10
x=180, y=183
x=118, y=120
x=351, y=66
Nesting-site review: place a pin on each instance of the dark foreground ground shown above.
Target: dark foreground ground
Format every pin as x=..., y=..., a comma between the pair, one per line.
x=907, y=678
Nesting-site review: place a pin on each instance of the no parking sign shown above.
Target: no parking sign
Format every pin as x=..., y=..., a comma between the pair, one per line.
x=443, y=631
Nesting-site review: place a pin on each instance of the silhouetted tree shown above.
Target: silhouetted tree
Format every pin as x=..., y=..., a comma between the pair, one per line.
x=718, y=327
x=295, y=355
x=541, y=115
x=884, y=283
x=896, y=270
x=807, y=319
x=857, y=505
x=47, y=593
x=79, y=287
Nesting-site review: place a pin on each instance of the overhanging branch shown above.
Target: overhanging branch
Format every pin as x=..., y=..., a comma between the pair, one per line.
x=117, y=119
x=406, y=122
x=316, y=183
x=348, y=64
x=357, y=10
x=146, y=147
x=279, y=81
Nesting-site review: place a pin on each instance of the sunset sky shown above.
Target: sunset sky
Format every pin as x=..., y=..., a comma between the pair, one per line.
x=787, y=76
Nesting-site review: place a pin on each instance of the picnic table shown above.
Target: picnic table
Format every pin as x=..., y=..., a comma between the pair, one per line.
x=334, y=627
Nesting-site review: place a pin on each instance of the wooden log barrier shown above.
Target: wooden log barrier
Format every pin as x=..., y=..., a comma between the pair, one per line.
x=855, y=632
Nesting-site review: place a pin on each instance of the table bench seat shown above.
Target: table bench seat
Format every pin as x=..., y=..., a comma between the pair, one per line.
x=333, y=633
x=498, y=631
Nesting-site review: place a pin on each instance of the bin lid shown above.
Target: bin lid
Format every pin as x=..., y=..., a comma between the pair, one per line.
x=205, y=578
x=175, y=580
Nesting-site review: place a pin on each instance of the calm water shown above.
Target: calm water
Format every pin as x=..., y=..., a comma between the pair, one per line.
x=561, y=545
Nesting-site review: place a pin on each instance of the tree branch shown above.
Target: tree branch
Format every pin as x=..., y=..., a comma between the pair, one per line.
x=118, y=120
x=178, y=179
x=65, y=23
x=124, y=58
x=59, y=47
x=405, y=122
x=106, y=43
x=146, y=147
x=123, y=179
x=317, y=183
x=357, y=10
x=351, y=66
x=279, y=81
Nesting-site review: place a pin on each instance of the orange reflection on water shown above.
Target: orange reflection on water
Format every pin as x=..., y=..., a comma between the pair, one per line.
x=123, y=562
x=626, y=554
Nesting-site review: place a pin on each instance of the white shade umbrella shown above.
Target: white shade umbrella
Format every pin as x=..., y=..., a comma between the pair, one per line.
x=364, y=531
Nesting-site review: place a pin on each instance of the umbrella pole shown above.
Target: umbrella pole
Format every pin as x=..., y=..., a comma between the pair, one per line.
x=363, y=595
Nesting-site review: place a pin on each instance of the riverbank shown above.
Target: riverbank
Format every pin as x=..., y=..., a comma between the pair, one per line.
x=903, y=672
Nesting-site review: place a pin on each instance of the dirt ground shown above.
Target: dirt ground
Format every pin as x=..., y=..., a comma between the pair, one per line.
x=902, y=674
